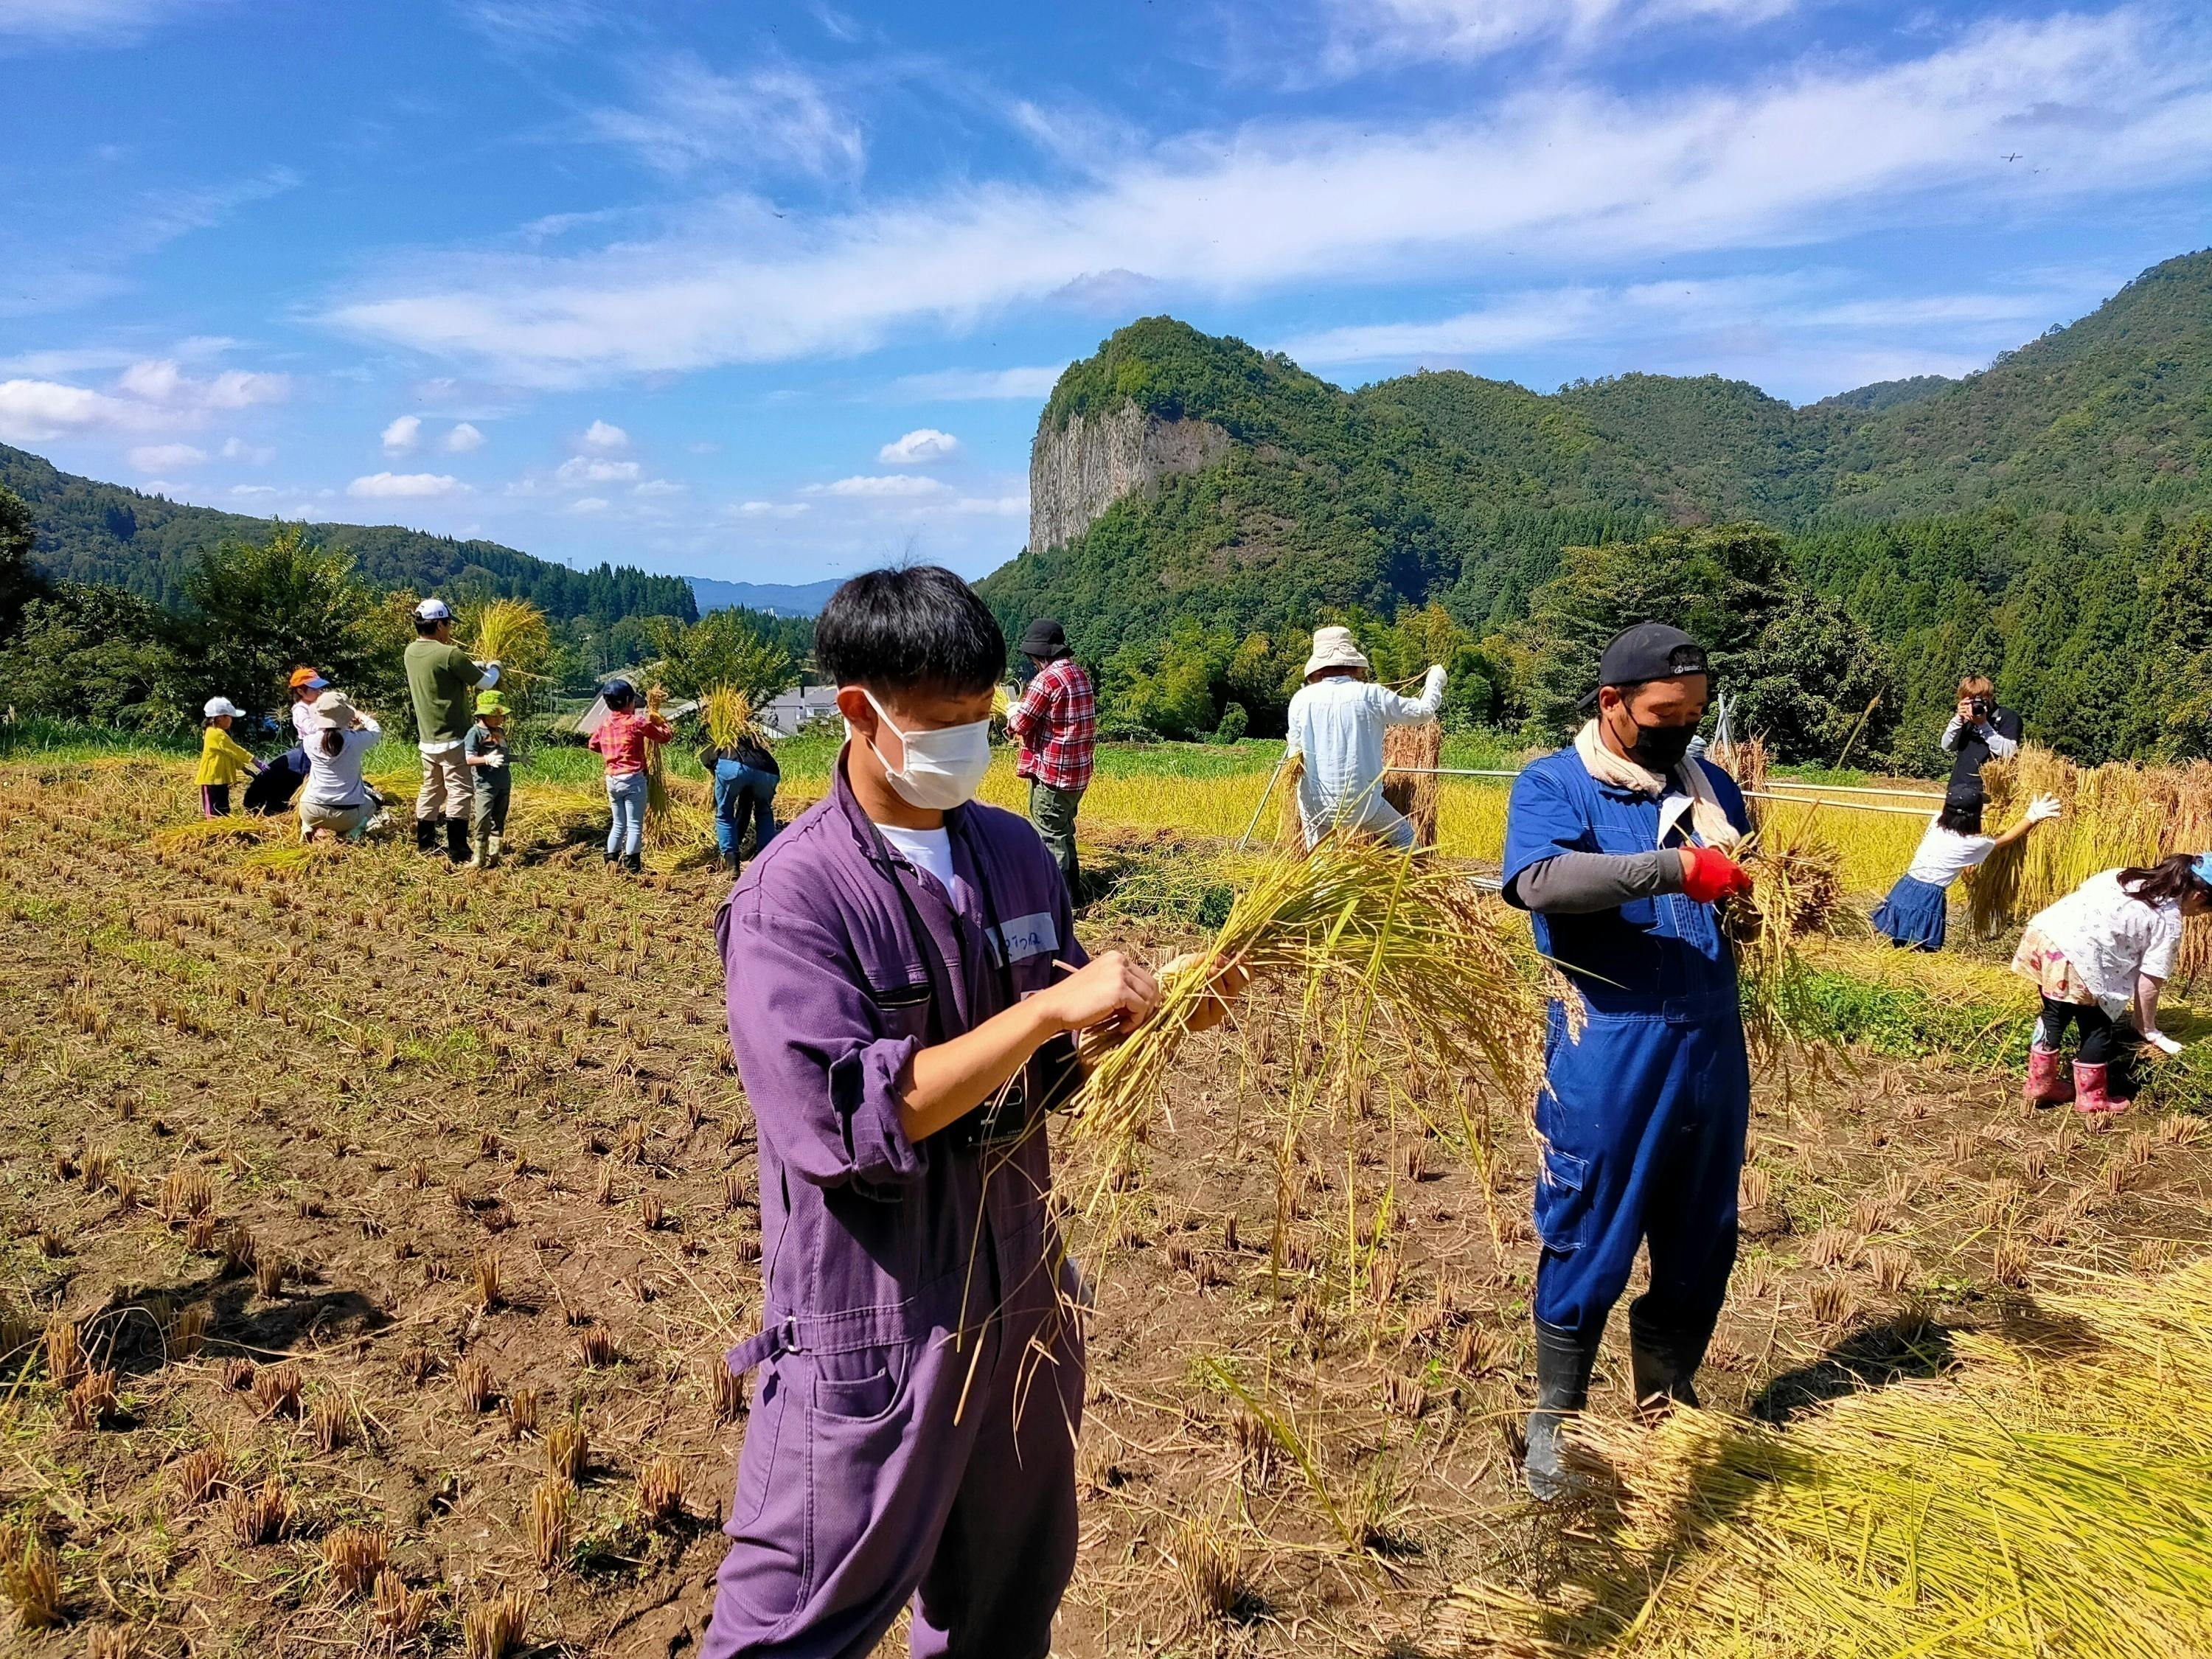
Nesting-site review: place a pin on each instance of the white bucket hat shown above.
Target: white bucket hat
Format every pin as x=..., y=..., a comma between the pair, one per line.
x=216, y=706
x=1332, y=648
x=433, y=611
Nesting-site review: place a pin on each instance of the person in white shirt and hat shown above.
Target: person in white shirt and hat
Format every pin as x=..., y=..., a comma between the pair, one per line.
x=1336, y=724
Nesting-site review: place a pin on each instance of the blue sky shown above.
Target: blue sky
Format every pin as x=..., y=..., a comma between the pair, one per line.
x=774, y=292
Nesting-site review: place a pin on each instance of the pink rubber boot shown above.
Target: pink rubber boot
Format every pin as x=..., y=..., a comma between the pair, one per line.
x=2089, y=1092
x=2047, y=1084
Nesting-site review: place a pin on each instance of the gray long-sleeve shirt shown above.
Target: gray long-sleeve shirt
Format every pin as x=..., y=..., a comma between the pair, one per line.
x=1576, y=884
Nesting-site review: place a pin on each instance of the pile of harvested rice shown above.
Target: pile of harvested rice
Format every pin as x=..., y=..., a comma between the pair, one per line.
x=2051, y=1494
x=1419, y=750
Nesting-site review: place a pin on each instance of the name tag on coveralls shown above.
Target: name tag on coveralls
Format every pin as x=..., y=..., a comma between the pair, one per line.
x=1030, y=936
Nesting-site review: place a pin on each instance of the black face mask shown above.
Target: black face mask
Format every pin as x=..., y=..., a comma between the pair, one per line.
x=1659, y=748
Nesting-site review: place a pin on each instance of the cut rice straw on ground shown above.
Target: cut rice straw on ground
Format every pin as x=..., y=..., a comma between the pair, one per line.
x=2052, y=1495
x=1393, y=952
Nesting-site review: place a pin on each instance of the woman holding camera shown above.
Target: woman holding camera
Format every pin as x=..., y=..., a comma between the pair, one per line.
x=1978, y=734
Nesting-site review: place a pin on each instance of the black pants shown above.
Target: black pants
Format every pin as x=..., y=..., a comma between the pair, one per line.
x=2105, y=1042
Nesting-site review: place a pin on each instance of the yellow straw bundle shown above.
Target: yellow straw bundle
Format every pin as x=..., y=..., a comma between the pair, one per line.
x=1413, y=792
x=2052, y=1496
x=1797, y=895
x=727, y=713
x=1392, y=949
x=2115, y=815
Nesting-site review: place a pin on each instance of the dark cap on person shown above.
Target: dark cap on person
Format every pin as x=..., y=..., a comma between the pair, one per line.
x=1043, y=639
x=1649, y=651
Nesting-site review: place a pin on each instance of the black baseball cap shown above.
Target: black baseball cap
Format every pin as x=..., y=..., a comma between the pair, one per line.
x=1651, y=651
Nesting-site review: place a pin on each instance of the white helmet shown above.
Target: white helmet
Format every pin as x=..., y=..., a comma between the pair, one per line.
x=216, y=706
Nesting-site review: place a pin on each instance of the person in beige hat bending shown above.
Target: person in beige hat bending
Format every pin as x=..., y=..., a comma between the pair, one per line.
x=1336, y=727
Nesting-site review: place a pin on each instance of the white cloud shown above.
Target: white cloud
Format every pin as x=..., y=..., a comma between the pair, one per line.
x=918, y=447
x=881, y=485
x=403, y=435
x=1364, y=33
x=606, y=439
x=978, y=385
x=110, y=23
x=32, y=412
x=769, y=509
x=253, y=489
x=237, y=449
x=776, y=117
x=163, y=458
x=578, y=470
x=463, y=439
x=1565, y=175
x=588, y=504
x=1000, y=506
x=654, y=487
x=408, y=485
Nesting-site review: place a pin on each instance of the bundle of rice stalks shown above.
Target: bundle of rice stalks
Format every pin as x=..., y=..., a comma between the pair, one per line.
x=1413, y=792
x=672, y=819
x=726, y=712
x=234, y=828
x=1393, y=951
x=2052, y=1495
x=1290, y=827
x=513, y=633
x=1797, y=896
x=2115, y=815
x=1745, y=760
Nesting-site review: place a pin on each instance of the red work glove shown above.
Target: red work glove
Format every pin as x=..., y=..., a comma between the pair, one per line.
x=1714, y=875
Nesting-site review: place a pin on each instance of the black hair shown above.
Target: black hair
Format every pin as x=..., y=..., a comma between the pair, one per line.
x=426, y=626
x=333, y=742
x=2171, y=880
x=921, y=628
x=1961, y=815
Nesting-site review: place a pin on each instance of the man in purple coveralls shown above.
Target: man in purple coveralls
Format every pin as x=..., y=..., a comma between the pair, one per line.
x=904, y=982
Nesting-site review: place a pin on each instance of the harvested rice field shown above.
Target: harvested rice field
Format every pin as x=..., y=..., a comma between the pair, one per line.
x=372, y=1235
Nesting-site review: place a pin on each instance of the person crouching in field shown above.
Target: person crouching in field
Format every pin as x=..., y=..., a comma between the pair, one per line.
x=621, y=741
x=2107, y=944
x=1336, y=722
x=485, y=750
x=745, y=776
x=1914, y=915
x=335, y=802
x=223, y=762
x=904, y=984
x=1618, y=846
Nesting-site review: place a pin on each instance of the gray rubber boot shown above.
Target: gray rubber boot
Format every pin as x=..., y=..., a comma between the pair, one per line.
x=1563, y=1363
x=1664, y=1360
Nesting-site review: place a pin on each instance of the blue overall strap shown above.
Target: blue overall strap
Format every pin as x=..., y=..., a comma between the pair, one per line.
x=771, y=1342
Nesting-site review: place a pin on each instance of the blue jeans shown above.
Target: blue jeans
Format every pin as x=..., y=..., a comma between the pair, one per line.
x=742, y=794
x=626, y=794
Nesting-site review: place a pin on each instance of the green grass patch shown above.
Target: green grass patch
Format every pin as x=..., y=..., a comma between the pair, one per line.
x=1907, y=1022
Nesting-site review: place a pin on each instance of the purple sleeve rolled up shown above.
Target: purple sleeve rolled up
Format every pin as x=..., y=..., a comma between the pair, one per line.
x=823, y=1070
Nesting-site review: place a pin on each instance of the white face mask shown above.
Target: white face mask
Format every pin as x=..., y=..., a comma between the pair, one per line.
x=944, y=768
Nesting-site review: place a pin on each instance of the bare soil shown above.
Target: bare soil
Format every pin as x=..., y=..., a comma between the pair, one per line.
x=393, y=1080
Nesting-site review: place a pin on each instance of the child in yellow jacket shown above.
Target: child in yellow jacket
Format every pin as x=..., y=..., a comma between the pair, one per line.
x=222, y=761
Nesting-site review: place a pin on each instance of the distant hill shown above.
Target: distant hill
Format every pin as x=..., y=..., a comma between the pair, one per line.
x=778, y=598
x=91, y=531
x=1448, y=486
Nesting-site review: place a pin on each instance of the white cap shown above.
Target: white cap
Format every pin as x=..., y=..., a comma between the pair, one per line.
x=221, y=706
x=1332, y=648
x=433, y=611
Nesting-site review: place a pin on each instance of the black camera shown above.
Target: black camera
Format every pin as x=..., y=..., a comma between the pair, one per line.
x=1985, y=710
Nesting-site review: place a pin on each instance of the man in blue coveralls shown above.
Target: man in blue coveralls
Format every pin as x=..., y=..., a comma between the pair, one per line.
x=1618, y=845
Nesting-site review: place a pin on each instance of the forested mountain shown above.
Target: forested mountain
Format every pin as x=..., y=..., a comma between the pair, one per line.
x=2014, y=520
x=89, y=531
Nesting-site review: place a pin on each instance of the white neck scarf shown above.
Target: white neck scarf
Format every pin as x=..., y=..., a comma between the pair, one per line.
x=1708, y=820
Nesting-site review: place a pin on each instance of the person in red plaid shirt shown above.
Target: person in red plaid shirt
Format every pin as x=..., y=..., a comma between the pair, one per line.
x=1056, y=724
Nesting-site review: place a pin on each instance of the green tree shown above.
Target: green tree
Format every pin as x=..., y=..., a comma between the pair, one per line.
x=1813, y=682
x=95, y=654
x=260, y=610
x=722, y=648
x=19, y=582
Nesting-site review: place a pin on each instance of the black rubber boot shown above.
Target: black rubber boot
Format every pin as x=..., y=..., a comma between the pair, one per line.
x=456, y=841
x=1664, y=1359
x=730, y=866
x=635, y=864
x=1563, y=1363
x=426, y=835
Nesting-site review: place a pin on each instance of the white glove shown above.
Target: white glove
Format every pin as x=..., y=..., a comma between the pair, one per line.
x=495, y=760
x=2044, y=808
x=2163, y=1043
